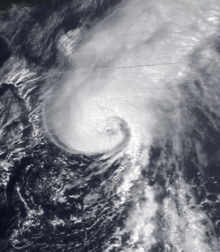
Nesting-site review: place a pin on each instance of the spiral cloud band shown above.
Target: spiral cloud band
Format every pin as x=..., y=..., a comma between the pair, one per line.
x=109, y=109
x=144, y=90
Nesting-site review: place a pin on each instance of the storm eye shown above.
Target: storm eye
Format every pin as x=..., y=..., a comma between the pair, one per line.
x=112, y=126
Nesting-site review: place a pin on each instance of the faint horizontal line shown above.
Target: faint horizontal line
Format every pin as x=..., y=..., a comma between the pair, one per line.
x=133, y=66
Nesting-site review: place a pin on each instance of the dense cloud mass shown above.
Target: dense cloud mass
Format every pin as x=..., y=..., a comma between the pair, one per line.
x=88, y=110
x=110, y=126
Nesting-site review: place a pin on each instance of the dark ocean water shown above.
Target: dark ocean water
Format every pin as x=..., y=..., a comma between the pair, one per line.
x=160, y=192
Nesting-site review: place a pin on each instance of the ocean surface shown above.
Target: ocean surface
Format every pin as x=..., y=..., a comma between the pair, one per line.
x=110, y=126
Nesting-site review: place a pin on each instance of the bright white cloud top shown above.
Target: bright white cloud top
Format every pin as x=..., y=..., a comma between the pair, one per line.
x=101, y=111
x=109, y=110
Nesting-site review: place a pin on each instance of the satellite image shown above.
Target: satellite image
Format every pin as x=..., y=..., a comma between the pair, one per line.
x=110, y=125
